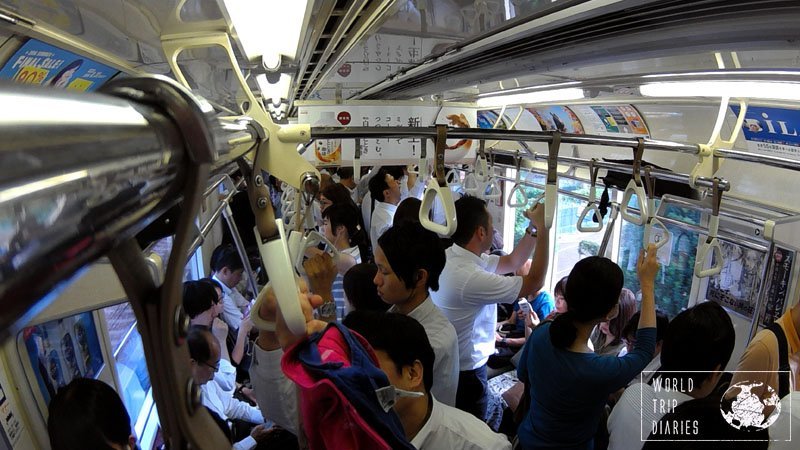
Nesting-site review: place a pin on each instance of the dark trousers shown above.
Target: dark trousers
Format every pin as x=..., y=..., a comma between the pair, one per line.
x=473, y=392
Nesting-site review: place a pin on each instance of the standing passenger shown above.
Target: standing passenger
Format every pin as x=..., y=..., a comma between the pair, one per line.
x=410, y=259
x=471, y=288
x=227, y=268
x=385, y=191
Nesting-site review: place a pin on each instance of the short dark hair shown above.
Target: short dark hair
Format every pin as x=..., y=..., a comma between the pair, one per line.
x=396, y=171
x=471, y=213
x=87, y=413
x=377, y=184
x=627, y=308
x=560, y=287
x=592, y=290
x=410, y=247
x=338, y=194
x=407, y=211
x=361, y=292
x=198, y=297
x=402, y=338
x=349, y=216
x=698, y=339
x=345, y=173
x=214, y=284
x=199, y=341
x=662, y=321
x=226, y=256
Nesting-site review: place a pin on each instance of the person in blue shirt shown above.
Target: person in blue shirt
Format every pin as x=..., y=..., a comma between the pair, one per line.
x=567, y=382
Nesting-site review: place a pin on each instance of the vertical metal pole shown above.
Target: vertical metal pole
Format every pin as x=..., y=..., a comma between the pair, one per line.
x=763, y=291
x=237, y=240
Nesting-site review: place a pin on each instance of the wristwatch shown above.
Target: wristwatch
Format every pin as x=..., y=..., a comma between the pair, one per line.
x=327, y=309
x=531, y=231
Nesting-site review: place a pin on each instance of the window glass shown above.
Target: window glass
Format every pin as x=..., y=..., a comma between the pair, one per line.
x=674, y=281
x=572, y=245
x=520, y=221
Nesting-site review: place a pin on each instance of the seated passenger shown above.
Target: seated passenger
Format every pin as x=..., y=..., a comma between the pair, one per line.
x=471, y=288
x=662, y=321
x=410, y=259
x=405, y=354
x=88, y=414
x=560, y=303
x=568, y=383
x=407, y=211
x=697, y=346
x=227, y=269
x=204, y=352
x=360, y=291
x=607, y=337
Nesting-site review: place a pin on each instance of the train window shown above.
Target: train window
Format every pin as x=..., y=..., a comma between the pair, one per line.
x=674, y=284
x=520, y=222
x=572, y=245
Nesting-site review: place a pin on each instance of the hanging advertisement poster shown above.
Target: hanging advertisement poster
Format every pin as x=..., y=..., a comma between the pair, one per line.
x=12, y=429
x=605, y=120
x=42, y=64
x=385, y=150
x=771, y=131
x=62, y=350
x=490, y=119
x=557, y=118
x=736, y=286
x=779, y=286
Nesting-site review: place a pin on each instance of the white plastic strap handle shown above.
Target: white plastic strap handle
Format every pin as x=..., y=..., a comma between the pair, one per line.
x=357, y=162
x=711, y=245
x=438, y=187
x=472, y=185
x=491, y=190
x=635, y=187
x=518, y=189
x=551, y=190
x=592, y=205
x=453, y=178
x=651, y=213
x=275, y=255
x=313, y=239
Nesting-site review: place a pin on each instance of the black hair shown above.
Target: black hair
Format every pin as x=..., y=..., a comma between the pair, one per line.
x=397, y=172
x=198, y=297
x=361, y=292
x=698, y=339
x=410, y=247
x=338, y=194
x=214, y=284
x=226, y=256
x=345, y=173
x=377, y=184
x=87, y=413
x=592, y=290
x=627, y=308
x=407, y=211
x=200, y=340
x=402, y=338
x=662, y=321
x=471, y=213
x=349, y=216
x=560, y=287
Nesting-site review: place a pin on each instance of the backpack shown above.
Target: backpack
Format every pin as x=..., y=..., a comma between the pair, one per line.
x=337, y=374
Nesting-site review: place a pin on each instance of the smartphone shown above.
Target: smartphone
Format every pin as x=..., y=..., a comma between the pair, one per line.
x=525, y=306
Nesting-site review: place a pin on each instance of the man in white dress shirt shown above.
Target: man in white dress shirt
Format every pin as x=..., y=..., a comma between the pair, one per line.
x=410, y=259
x=228, y=269
x=204, y=352
x=406, y=355
x=385, y=191
x=471, y=287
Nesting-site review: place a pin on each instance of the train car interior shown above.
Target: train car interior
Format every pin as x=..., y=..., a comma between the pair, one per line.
x=129, y=128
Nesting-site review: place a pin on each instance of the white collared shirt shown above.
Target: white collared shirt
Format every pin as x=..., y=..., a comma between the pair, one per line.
x=382, y=217
x=444, y=341
x=276, y=394
x=632, y=418
x=233, y=303
x=448, y=427
x=227, y=407
x=468, y=294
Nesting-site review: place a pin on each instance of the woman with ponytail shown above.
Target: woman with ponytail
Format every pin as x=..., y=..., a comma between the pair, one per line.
x=341, y=226
x=568, y=383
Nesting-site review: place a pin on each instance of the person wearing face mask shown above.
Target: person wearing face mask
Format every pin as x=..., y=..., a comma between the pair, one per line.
x=88, y=413
x=410, y=259
x=405, y=354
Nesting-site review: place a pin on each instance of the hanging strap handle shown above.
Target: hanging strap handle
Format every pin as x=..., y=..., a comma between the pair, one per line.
x=550, y=194
x=491, y=188
x=635, y=187
x=592, y=205
x=652, y=220
x=518, y=189
x=438, y=187
x=313, y=239
x=609, y=229
x=357, y=162
x=711, y=245
x=476, y=180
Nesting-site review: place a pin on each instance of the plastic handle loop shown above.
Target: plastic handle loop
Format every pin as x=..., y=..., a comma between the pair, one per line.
x=312, y=239
x=517, y=189
x=711, y=245
x=590, y=207
x=472, y=185
x=453, y=178
x=641, y=198
x=550, y=199
x=275, y=255
x=492, y=191
x=356, y=170
x=446, y=195
x=648, y=228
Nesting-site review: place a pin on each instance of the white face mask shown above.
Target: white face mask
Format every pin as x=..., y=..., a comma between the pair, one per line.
x=388, y=396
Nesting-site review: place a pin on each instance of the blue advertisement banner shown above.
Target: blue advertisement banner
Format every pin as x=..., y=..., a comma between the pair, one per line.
x=42, y=64
x=772, y=131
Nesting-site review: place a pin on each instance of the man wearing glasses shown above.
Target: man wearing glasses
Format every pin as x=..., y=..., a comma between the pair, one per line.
x=204, y=352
